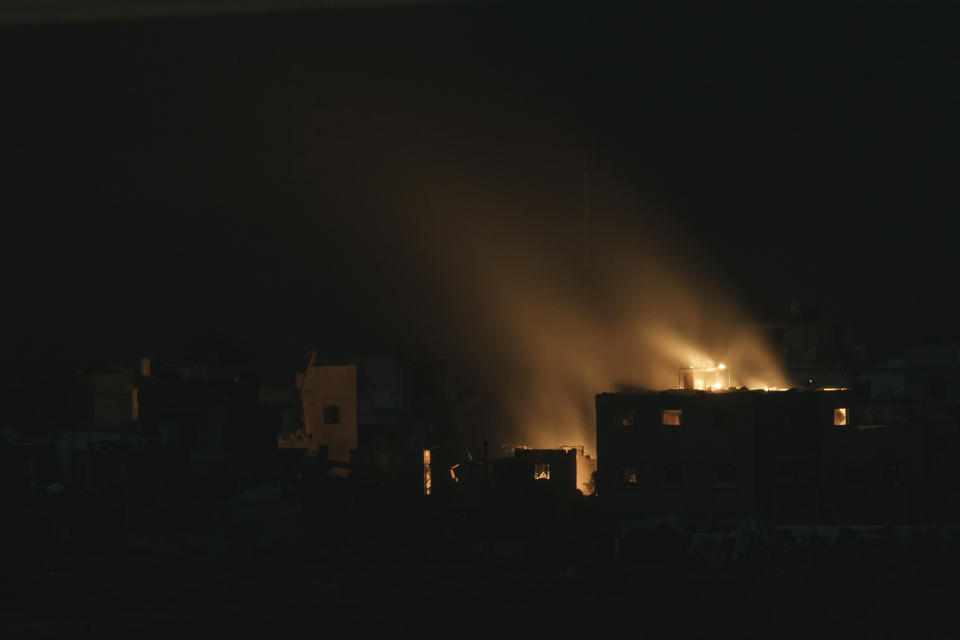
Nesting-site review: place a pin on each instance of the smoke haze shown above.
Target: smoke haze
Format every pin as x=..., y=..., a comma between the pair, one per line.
x=553, y=297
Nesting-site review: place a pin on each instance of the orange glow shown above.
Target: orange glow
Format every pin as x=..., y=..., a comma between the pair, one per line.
x=586, y=466
x=707, y=378
x=427, y=475
x=579, y=305
x=671, y=417
x=840, y=417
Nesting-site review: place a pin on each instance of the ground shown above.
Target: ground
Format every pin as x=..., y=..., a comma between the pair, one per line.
x=262, y=569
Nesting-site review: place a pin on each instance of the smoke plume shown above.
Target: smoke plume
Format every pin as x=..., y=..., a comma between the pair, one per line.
x=552, y=289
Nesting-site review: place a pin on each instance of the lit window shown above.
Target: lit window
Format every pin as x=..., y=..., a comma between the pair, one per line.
x=630, y=475
x=840, y=417
x=541, y=472
x=624, y=418
x=331, y=414
x=427, y=476
x=671, y=417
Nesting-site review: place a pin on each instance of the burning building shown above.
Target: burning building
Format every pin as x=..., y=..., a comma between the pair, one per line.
x=564, y=471
x=795, y=456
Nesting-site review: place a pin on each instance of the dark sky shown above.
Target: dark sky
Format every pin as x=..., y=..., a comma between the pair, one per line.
x=198, y=185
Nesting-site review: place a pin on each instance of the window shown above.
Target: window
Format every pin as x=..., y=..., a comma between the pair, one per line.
x=725, y=419
x=541, y=472
x=891, y=474
x=788, y=419
x=331, y=414
x=673, y=475
x=853, y=472
x=624, y=418
x=840, y=417
x=630, y=475
x=427, y=475
x=671, y=417
x=938, y=389
x=725, y=476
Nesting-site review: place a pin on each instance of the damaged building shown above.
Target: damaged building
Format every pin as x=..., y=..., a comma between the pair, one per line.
x=329, y=402
x=795, y=456
x=563, y=472
x=162, y=428
x=377, y=417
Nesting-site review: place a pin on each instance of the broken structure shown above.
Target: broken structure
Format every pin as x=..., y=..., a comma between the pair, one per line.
x=329, y=399
x=797, y=456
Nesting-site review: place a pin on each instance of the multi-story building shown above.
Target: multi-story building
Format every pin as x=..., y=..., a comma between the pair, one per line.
x=796, y=456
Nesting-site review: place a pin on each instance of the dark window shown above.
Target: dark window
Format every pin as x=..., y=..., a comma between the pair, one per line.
x=725, y=418
x=725, y=475
x=630, y=475
x=891, y=474
x=853, y=472
x=624, y=418
x=788, y=419
x=938, y=388
x=673, y=475
x=794, y=471
x=937, y=465
x=331, y=414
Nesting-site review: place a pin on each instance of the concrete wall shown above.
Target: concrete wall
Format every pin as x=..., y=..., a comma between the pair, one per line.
x=323, y=388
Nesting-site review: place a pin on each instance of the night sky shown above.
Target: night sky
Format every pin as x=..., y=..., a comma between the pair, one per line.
x=198, y=186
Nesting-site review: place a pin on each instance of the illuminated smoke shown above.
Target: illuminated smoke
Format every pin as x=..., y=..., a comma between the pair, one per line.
x=549, y=305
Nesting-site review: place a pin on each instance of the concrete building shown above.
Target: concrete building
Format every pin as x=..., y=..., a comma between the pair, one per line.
x=328, y=395
x=107, y=400
x=217, y=436
x=564, y=471
x=797, y=456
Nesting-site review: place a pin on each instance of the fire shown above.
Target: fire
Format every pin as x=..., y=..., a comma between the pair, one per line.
x=427, y=474
x=710, y=377
x=718, y=378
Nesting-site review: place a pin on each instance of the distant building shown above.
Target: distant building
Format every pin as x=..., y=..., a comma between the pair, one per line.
x=798, y=456
x=377, y=413
x=107, y=400
x=328, y=395
x=805, y=339
x=217, y=436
